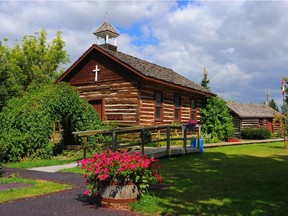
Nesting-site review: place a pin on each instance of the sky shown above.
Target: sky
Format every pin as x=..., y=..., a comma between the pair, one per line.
x=242, y=44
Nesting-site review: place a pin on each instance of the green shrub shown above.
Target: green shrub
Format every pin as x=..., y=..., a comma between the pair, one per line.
x=256, y=133
x=27, y=123
x=209, y=139
x=216, y=120
x=1, y=160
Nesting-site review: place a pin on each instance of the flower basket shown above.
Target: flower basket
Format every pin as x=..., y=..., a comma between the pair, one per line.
x=119, y=177
x=189, y=125
x=145, y=136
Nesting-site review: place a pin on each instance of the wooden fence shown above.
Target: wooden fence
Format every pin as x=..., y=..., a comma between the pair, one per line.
x=131, y=137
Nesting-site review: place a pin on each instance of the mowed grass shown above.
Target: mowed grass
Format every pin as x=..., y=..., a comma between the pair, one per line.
x=57, y=160
x=235, y=180
x=35, y=188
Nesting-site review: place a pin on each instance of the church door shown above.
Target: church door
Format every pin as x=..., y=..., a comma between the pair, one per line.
x=98, y=106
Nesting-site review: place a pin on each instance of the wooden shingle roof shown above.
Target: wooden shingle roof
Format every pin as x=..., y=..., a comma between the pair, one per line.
x=251, y=110
x=106, y=27
x=155, y=71
x=145, y=69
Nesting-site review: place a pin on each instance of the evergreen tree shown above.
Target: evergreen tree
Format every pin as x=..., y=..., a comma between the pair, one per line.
x=274, y=105
x=205, y=81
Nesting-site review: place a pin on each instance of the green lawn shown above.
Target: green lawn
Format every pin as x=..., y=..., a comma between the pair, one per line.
x=58, y=160
x=36, y=188
x=236, y=180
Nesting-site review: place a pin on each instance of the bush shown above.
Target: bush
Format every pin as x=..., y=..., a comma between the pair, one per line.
x=256, y=133
x=1, y=160
x=27, y=123
x=216, y=120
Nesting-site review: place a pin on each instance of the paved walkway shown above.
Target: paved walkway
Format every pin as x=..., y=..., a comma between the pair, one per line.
x=66, y=203
x=213, y=145
x=53, y=169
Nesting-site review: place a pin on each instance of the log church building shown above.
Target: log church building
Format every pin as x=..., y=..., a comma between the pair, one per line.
x=132, y=91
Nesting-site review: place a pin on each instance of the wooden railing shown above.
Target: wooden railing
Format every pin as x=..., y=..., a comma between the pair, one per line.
x=156, y=131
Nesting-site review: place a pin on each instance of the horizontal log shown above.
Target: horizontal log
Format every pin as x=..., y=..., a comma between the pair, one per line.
x=118, y=101
x=123, y=109
x=121, y=105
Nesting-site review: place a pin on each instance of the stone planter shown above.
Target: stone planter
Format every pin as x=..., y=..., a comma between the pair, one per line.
x=118, y=194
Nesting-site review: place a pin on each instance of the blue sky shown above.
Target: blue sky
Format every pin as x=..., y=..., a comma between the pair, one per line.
x=242, y=44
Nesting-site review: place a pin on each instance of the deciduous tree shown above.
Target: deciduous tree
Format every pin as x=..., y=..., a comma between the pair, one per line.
x=32, y=62
x=216, y=119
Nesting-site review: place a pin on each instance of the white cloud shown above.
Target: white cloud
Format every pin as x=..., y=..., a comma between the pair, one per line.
x=242, y=44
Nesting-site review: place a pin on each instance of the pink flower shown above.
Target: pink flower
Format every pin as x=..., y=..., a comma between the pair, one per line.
x=105, y=170
x=108, y=165
x=120, y=169
x=86, y=192
x=103, y=177
x=97, y=171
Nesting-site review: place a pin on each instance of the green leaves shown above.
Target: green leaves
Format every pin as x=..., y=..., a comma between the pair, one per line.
x=27, y=123
x=216, y=119
x=256, y=133
x=32, y=62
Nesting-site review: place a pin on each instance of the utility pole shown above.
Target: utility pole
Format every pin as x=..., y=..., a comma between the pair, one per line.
x=268, y=98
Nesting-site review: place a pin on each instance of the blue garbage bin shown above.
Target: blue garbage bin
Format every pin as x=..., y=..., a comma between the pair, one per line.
x=194, y=144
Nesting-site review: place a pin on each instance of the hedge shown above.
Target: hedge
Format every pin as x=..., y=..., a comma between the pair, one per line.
x=27, y=123
x=256, y=133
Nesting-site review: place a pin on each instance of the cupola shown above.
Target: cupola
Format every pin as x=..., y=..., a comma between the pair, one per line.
x=107, y=32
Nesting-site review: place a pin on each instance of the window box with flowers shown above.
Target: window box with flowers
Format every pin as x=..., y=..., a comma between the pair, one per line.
x=119, y=178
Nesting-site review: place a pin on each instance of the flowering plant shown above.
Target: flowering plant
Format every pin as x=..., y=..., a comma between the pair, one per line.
x=233, y=140
x=145, y=136
x=121, y=166
x=190, y=124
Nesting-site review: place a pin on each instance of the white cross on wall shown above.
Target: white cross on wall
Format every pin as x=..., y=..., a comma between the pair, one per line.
x=96, y=73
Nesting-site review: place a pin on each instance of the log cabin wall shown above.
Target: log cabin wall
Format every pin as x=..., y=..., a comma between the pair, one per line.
x=116, y=87
x=249, y=123
x=277, y=127
x=147, y=104
x=240, y=124
x=237, y=126
x=257, y=123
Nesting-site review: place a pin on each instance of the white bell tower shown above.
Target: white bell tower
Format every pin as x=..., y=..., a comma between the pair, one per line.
x=107, y=32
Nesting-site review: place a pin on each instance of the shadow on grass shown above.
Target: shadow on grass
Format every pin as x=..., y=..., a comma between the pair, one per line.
x=215, y=183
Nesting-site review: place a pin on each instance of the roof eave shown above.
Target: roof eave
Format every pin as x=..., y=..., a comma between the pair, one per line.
x=256, y=117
